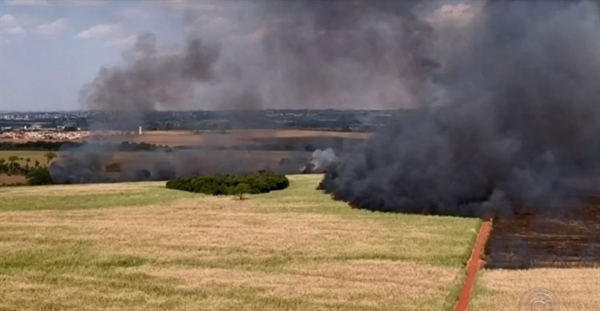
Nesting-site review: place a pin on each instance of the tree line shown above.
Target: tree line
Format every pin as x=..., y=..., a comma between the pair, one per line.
x=42, y=145
x=231, y=184
x=133, y=146
x=10, y=165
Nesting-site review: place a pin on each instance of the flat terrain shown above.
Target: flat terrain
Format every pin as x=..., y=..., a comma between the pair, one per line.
x=231, y=138
x=12, y=179
x=207, y=161
x=562, y=252
x=575, y=289
x=24, y=155
x=143, y=247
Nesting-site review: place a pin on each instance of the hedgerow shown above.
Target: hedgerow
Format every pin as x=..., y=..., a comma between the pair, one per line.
x=226, y=184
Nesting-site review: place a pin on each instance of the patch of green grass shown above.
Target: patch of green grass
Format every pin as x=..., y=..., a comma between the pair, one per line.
x=89, y=200
x=62, y=260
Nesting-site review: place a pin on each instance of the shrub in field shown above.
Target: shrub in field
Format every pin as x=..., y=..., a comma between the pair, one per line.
x=240, y=190
x=237, y=184
x=39, y=176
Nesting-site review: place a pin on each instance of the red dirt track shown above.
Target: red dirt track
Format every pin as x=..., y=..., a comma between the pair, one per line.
x=473, y=266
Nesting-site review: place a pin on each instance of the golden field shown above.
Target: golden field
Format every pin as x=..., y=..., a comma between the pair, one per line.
x=140, y=246
x=573, y=289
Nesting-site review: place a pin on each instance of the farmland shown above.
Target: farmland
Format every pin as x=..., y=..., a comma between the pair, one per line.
x=179, y=138
x=573, y=288
x=228, y=138
x=277, y=144
x=143, y=247
x=209, y=161
x=23, y=155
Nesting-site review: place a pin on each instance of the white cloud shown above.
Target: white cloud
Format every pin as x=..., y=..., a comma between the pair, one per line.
x=52, y=29
x=26, y=2
x=9, y=25
x=101, y=32
x=113, y=35
x=17, y=30
x=7, y=19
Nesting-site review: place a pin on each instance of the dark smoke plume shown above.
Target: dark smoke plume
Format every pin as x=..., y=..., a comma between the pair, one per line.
x=520, y=114
x=506, y=92
x=150, y=79
x=356, y=54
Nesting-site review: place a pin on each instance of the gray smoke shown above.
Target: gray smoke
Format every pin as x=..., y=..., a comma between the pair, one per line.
x=321, y=159
x=150, y=79
x=520, y=113
x=350, y=54
x=506, y=92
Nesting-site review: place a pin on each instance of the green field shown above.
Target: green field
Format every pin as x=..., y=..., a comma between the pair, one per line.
x=140, y=246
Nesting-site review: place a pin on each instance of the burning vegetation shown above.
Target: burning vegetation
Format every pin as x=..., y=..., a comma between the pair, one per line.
x=517, y=114
x=504, y=97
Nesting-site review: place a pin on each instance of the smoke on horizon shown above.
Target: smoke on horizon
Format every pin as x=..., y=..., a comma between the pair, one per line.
x=505, y=92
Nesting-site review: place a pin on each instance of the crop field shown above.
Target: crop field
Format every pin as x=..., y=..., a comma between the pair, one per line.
x=11, y=179
x=574, y=289
x=140, y=246
x=24, y=155
x=233, y=137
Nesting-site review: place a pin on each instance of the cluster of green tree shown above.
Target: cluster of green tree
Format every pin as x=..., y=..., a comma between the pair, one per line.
x=254, y=147
x=133, y=147
x=12, y=167
x=36, y=145
x=35, y=177
x=57, y=145
x=39, y=176
x=231, y=184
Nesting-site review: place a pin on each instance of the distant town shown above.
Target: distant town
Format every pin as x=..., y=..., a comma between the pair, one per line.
x=77, y=125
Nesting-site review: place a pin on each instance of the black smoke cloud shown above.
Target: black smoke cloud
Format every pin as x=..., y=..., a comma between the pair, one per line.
x=350, y=54
x=519, y=116
x=505, y=93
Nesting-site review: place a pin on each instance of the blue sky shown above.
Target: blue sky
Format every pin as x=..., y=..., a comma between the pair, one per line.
x=49, y=49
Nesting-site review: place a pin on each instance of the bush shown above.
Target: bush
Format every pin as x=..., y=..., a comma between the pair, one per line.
x=231, y=183
x=39, y=176
x=240, y=190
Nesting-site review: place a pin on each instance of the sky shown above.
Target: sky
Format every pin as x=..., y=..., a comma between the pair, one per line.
x=50, y=48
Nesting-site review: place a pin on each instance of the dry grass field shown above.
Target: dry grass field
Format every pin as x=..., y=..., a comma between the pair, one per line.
x=140, y=246
x=576, y=289
x=24, y=155
x=12, y=179
x=231, y=138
